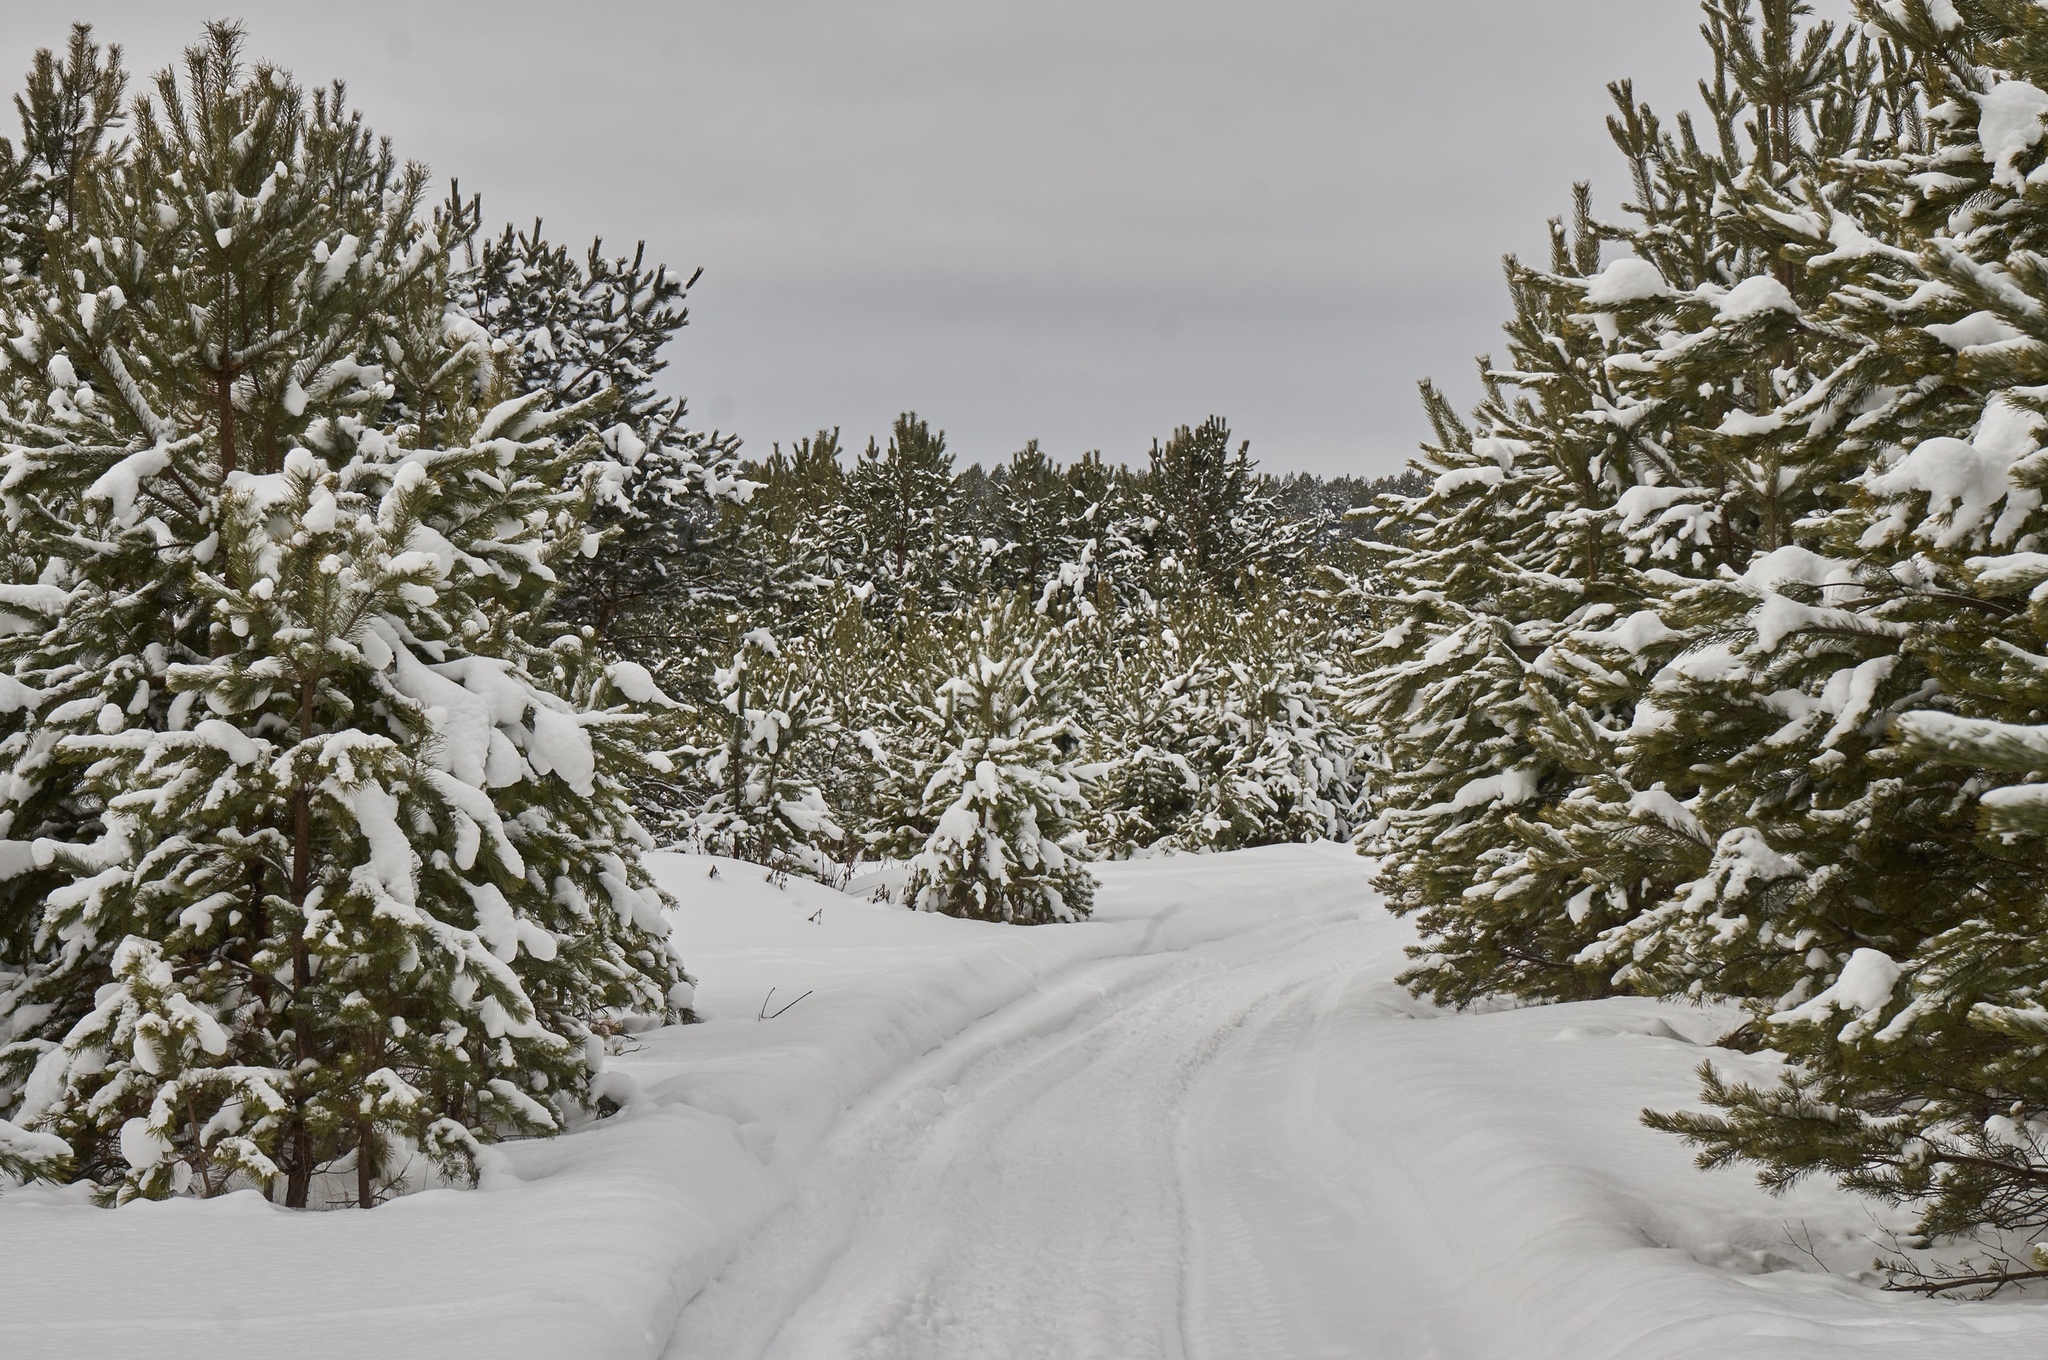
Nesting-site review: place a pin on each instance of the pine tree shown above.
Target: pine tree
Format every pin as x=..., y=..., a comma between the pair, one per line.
x=321, y=840
x=896, y=509
x=71, y=106
x=1903, y=948
x=1222, y=728
x=1493, y=566
x=990, y=815
x=759, y=805
x=1657, y=449
x=1136, y=720
x=784, y=555
x=1769, y=720
x=1203, y=519
x=1038, y=520
x=576, y=326
x=1767, y=382
x=1103, y=527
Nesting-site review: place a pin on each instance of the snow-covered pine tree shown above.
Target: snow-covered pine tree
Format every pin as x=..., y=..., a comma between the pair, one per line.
x=1134, y=715
x=573, y=326
x=320, y=847
x=783, y=553
x=1285, y=757
x=1221, y=727
x=1483, y=574
x=861, y=668
x=70, y=110
x=1670, y=461
x=984, y=804
x=1905, y=950
x=758, y=804
x=896, y=509
x=1204, y=520
x=1772, y=721
x=27, y=1154
x=1764, y=382
x=1104, y=516
x=1034, y=518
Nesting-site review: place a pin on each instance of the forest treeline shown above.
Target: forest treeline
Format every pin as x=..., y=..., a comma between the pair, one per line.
x=1152, y=657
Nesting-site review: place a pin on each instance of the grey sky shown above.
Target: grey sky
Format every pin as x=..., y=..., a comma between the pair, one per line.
x=1081, y=220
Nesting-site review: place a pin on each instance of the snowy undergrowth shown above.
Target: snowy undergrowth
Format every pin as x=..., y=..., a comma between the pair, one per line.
x=1503, y=1144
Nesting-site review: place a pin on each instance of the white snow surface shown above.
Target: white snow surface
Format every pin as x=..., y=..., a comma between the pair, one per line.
x=1965, y=482
x=1206, y=1123
x=1753, y=297
x=1865, y=987
x=1626, y=280
x=1976, y=331
x=2010, y=123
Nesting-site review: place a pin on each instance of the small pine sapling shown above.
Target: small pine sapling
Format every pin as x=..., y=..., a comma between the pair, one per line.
x=988, y=808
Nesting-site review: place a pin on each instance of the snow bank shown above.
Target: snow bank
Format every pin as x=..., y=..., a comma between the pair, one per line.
x=1579, y=1234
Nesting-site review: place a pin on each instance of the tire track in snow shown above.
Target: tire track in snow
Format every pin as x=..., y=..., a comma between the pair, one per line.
x=1307, y=1242
x=1019, y=1192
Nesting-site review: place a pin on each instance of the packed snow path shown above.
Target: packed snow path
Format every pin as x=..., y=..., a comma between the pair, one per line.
x=1206, y=1123
x=1252, y=1143
x=1130, y=1163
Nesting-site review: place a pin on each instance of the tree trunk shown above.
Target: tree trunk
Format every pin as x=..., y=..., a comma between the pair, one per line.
x=300, y=1179
x=224, y=406
x=366, y=1163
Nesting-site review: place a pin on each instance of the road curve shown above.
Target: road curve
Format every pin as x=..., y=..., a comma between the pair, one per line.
x=1136, y=1161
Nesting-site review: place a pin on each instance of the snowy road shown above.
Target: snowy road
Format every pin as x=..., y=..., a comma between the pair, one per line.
x=1132, y=1162
x=1252, y=1144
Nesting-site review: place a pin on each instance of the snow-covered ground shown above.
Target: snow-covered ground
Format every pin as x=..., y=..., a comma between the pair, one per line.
x=1204, y=1124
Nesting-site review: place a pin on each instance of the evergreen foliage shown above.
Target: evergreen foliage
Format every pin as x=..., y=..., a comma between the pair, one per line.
x=1708, y=665
x=1195, y=671
x=322, y=851
x=575, y=327
x=1894, y=954
x=70, y=110
x=1225, y=727
x=1203, y=519
x=762, y=807
x=1564, y=570
x=895, y=517
x=987, y=804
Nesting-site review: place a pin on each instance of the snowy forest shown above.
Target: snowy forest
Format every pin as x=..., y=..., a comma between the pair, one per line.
x=373, y=609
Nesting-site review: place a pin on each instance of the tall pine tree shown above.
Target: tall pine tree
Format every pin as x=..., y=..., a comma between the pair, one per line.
x=320, y=846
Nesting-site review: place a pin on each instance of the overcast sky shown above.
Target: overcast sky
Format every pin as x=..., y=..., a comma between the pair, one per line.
x=1082, y=220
